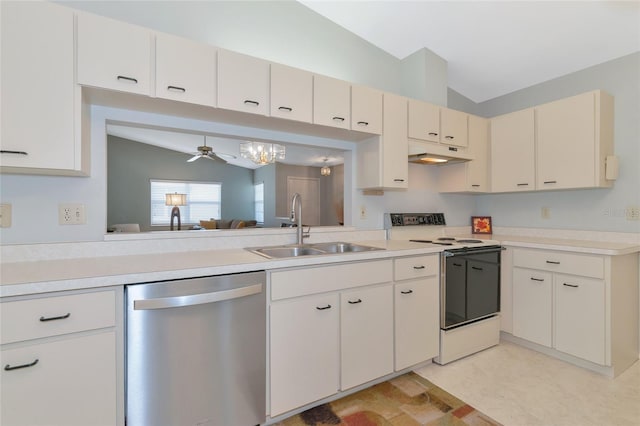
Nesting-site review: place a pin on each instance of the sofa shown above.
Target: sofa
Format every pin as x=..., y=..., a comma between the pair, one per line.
x=228, y=224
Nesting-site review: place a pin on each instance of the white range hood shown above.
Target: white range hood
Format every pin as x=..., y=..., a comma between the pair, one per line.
x=434, y=153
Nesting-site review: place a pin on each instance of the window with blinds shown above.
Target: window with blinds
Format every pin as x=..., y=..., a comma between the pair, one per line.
x=203, y=201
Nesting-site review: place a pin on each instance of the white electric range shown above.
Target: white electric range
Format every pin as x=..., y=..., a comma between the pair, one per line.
x=469, y=282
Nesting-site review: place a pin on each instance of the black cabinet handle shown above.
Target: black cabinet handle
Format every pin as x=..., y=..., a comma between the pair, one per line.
x=419, y=267
x=570, y=285
x=5, y=151
x=448, y=137
x=322, y=308
x=398, y=180
x=537, y=279
x=250, y=102
x=129, y=79
x=406, y=291
x=338, y=119
x=475, y=186
x=355, y=302
x=284, y=108
x=43, y=319
x=176, y=89
x=363, y=123
x=553, y=262
x=17, y=367
x=549, y=181
x=523, y=184
x=457, y=264
x=477, y=268
x=433, y=134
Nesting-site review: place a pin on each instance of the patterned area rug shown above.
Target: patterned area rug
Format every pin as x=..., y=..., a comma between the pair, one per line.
x=407, y=400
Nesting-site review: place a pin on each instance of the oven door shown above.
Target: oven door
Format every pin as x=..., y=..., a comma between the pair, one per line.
x=470, y=286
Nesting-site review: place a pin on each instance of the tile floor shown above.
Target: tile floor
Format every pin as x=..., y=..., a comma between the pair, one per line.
x=520, y=387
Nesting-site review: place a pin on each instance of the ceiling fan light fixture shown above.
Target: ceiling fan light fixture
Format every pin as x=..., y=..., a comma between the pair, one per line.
x=262, y=153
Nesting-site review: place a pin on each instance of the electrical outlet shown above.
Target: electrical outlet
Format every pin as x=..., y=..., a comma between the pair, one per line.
x=363, y=212
x=545, y=213
x=5, y=215
x=633, y=213
x=71, y=214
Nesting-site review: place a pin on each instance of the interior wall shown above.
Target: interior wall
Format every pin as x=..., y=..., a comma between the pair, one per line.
x=590, y=209
x=130, y=166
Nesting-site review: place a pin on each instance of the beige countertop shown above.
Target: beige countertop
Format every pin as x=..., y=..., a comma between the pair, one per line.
x=31, y=277
x=21, y=278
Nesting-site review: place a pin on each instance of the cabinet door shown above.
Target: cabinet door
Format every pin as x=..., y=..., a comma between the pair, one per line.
x=304, y=343
x=113, y=54
x=37, y=87
x=566, y=152
x=424, y=121
x=470, y=176
x=395, y=145
x=195, y=83
x=243, y=83
x=580, y=317
x=453, y=127
x=417, y=321
x=366, y=110
x=366, y=335
x=331, y=102
x=532, y=314
x=291, y=93
x=72, y=383
x=513, y=152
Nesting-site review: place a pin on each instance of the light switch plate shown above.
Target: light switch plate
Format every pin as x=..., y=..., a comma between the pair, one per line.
x=5, y=215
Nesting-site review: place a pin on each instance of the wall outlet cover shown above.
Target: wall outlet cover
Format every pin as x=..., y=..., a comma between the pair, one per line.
x=71, y=214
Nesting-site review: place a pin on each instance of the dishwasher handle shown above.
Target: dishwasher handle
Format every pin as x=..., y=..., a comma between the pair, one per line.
x=196, y=299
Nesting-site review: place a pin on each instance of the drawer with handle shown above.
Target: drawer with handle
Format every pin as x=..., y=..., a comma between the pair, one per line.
x=416, y=267
x=557, y=261
x=52, y=316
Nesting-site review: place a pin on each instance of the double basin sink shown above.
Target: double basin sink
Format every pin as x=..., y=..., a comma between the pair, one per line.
x=277, y=252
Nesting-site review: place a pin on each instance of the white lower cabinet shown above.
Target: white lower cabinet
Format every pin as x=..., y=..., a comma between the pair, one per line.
x=416, y=321
x=305, y=355
x=62, y=359
x=532, y=306
x=64, y=382
x=366, y=335
x=579, y=325
x=578, y=304
x=339, y=326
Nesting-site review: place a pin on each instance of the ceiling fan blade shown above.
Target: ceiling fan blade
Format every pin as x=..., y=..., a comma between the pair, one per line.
x=194, y=158
x=214, y=157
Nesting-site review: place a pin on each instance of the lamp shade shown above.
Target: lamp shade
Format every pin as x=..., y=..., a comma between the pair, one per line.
x=175, y=199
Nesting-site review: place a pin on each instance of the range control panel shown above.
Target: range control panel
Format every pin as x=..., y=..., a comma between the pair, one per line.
x=410, y=219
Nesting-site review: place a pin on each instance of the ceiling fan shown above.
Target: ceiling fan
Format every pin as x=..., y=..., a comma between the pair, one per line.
x=207, y=152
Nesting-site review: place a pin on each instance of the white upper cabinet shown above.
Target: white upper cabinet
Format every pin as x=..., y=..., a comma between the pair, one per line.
x=513, y=152
x=424, y=121
x=382, y=161
x=453, y=127
x=113, y=54
x=366, y=110
x=243, y=83
x=331, y=102
x=433, y=123
x=574, y=136
x=291, y=93
x=185, y=70
x=470, y=176
x=39, y=99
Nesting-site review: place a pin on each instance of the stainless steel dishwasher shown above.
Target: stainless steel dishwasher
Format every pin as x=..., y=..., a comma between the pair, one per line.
x=196, y=351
